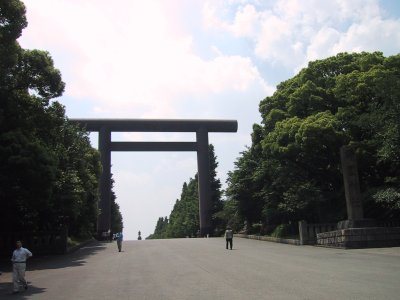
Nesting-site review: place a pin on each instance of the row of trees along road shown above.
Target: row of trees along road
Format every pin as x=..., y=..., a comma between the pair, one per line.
x=292, y=170
x=184, y=218
x=49, y=172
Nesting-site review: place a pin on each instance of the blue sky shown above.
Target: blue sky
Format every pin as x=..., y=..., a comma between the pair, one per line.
x=190, y=60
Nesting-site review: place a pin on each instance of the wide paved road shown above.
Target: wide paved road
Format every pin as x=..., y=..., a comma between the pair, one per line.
x=203, y=269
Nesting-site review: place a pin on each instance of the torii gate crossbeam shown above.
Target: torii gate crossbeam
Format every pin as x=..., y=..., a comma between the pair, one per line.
x=200, y=127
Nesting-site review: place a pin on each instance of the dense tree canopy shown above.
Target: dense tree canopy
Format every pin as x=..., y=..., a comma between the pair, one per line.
x=292, y=169
x=48, y=170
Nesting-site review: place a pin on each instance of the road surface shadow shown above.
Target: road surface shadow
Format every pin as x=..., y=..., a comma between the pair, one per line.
x=75, y=259
x=7, y=287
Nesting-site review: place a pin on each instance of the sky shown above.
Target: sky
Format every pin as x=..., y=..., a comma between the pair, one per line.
x=190, y=59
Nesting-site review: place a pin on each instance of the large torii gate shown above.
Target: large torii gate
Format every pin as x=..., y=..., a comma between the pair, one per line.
x=201, y=127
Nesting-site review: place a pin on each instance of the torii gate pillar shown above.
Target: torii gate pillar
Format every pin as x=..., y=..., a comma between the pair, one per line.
x=203, y=167
x=104, y=218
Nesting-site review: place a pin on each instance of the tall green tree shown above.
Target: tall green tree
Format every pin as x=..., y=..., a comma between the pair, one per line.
x=292, y=169
x=117, y=224
x=216, y=192
x=184, y=219
x=246, y=183
x=160, y=230
x=28, y=166
x=48, y=170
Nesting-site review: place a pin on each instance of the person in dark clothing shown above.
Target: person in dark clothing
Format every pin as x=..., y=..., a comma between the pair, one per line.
x=229, y=237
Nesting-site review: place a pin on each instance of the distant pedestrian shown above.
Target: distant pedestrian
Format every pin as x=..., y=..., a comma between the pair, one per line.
x=120, y=238
x=19, y=257
x=229, y=237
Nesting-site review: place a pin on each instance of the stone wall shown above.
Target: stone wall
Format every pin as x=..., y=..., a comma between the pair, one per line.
x=269, y=239
x=369, y=237
x=308, y=232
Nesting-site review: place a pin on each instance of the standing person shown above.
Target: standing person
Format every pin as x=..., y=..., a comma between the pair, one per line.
x=120, y=237
x=229, y=237
x=19, y=257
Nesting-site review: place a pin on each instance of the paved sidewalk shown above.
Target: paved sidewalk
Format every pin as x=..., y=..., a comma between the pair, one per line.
x=204, y=269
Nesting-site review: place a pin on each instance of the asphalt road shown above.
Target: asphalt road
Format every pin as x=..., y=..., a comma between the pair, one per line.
x=204, y=269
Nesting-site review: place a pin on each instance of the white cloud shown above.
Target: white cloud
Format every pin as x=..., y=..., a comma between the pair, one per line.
x=276, y=41
x=322, y=43
x=376, y=34
x=292, y=32
x=245, y=21
x=130, y=58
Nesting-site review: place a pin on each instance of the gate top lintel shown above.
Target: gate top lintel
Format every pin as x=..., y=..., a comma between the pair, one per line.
x=158, y=125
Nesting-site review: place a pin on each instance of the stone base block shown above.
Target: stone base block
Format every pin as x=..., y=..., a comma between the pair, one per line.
x=369, y=237
x=361, y=223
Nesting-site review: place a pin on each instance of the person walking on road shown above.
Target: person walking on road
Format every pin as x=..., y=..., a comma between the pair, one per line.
x=19, y=257
x=119, y=237
x=229, y=237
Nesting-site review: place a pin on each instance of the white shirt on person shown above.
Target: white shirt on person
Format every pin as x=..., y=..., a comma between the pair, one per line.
x=21, y=255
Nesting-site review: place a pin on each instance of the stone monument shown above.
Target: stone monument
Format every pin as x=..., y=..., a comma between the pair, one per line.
x=356, y=231
x=355, y=212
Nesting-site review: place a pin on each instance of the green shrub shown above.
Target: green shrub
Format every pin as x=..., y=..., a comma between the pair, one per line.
x=284, y=230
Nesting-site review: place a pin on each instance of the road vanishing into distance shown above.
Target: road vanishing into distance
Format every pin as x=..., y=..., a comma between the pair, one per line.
x=203, y=269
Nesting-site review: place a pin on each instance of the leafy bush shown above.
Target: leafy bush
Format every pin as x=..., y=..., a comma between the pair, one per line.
x=285, y=230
